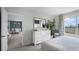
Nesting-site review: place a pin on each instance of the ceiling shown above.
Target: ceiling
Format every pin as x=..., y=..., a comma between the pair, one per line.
x=46, y=10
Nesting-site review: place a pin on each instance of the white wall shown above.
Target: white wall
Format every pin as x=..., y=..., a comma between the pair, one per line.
x=61, y=25
x=27, y=22
x=57, y=22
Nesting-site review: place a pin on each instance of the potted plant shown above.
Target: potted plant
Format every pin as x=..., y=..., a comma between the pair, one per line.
x=51, y=26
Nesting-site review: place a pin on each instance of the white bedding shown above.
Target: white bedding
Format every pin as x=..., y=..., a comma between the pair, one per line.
x=63, y=43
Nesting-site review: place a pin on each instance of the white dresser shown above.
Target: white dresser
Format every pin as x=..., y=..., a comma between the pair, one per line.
x=40, y=35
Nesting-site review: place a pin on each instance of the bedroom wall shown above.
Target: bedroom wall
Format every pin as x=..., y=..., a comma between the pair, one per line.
x=27, y=22
x=59, y=24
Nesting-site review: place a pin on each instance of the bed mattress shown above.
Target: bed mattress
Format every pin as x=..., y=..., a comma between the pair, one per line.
x=62, y=43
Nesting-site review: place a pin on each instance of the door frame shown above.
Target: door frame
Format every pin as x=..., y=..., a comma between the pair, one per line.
x=0, y=29
x=4, y=44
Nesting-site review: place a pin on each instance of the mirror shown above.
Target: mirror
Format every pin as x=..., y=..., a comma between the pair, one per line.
x=38, y=22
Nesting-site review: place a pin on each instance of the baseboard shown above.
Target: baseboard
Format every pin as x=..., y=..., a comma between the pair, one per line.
x=27, y=44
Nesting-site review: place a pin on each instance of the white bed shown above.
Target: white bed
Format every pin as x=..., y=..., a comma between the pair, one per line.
x=62, y=43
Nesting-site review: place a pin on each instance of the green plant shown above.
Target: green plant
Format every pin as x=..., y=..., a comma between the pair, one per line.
x=51, y=26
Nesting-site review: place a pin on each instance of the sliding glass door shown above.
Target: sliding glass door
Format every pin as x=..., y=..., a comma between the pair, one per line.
x=71, y=25
x=78, y=25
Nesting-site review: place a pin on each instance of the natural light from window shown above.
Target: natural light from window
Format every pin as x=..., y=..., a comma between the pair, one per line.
x=70, y=25
x=78, y=25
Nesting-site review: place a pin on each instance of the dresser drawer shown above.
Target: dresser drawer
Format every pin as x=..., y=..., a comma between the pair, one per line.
x=40, y=36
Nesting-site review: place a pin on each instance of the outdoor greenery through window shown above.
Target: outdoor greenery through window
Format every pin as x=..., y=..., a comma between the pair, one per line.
x=71, y=25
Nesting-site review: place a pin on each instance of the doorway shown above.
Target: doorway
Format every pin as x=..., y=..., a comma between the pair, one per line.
x=14, y=34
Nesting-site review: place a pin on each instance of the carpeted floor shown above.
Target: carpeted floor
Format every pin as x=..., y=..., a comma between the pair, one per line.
x=26, y=48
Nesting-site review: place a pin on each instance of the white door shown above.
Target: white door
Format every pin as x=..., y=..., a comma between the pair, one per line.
x=4, y=32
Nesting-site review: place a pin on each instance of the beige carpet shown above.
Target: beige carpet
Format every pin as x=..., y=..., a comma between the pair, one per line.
x=26, y=48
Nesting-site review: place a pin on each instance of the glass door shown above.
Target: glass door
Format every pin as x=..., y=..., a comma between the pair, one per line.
x=70, y=25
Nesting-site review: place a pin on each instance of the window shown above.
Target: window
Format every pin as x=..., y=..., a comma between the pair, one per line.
x=70, y=25
x=78, y=25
